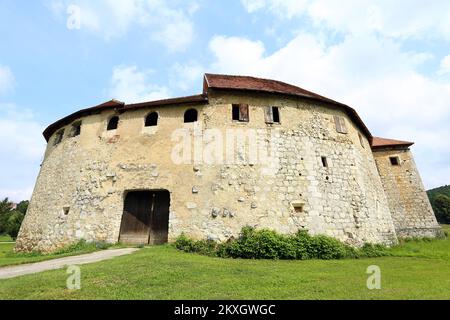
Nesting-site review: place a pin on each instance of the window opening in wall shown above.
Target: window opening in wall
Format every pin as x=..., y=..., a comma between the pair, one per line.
x=361, y=140
x=76, y=129
x=240, y=112
x=298, y=206
x=190, y=115
x=395, y=161
x=66, y=210
x=341, y=125
x=113, y=123
x=58, y=137
x=324, y=162
x=151, y=120
x=272, y=114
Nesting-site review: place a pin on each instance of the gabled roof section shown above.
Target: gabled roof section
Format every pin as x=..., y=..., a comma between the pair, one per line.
x=381, y=143
x=216, y=82
x=220, y=81
x=246, y=83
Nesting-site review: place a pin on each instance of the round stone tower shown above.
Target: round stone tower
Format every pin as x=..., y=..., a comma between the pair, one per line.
x=246, y=151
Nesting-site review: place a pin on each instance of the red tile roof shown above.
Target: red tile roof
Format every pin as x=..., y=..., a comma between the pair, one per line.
x=245, y=83
x=229, y=82
x=379, y=143
x=115, y=104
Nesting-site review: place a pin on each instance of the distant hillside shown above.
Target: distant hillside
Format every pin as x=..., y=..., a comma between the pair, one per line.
x=433, y=193
x=441, y=205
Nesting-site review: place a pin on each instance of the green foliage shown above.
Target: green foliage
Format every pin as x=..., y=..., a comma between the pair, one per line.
x=441, y=206
x=268, y=244
x=11, y=220
x=205, y=247
x=83, y=246
x=5, y=208
x=22, y=206
x=440, y=201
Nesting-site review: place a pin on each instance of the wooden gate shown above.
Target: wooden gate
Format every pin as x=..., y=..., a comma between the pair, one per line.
x=145, y=217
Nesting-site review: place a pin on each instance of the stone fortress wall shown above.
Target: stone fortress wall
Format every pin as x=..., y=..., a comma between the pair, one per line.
x=409, y=204
x=320, y=179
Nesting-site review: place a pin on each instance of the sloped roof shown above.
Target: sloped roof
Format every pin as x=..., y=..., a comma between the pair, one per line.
x=380, y=143
x=246, y=83
x=230, y=82
x=115, y=104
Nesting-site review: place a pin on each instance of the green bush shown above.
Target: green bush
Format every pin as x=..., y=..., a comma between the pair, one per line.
x=205, y=247
x=83, y=246
x=268, y=244
x=262, y=244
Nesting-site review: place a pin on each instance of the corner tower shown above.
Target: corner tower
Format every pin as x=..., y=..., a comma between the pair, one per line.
x=410, y=208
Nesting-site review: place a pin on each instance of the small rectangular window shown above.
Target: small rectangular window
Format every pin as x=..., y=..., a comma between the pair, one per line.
x=272, y=115
x=324, y=162
x=341, y=126
x=240, y=112
x=395, y=161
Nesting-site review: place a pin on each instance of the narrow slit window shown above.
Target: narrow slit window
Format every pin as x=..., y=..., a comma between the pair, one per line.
x=113, y=123
x=272, y=115
x=190, y=116
x=76, y=129
x=324, y=162
x=240, y=112
x=58, y=137
x=395, y=161
x=151, y=120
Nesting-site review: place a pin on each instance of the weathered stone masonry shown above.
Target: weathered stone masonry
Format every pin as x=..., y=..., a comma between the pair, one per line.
x=84, y=179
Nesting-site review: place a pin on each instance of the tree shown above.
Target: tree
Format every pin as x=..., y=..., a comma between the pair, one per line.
x=13, y=223
x=10, y=220
x=22, y=206
x=441, y=207
x=5, y=208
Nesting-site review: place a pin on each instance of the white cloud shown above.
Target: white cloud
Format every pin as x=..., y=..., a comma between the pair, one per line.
x=22, y=146
x=169, y=24
x=372, y=74
x=7, y=81
x=131, y=85
x=186, y=76
x=445, y=66
x=401, y=18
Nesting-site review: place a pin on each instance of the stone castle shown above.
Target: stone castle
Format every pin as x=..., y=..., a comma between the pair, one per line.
x=245, y=152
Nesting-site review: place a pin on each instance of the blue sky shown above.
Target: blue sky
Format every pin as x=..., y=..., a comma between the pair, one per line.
x=390, y=60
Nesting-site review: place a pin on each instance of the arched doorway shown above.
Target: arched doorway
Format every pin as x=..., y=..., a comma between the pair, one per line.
x=145, y=218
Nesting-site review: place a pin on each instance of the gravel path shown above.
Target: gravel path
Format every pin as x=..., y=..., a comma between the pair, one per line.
x=24, y=269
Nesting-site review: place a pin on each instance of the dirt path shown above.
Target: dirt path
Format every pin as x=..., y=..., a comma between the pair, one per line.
x=20, y=270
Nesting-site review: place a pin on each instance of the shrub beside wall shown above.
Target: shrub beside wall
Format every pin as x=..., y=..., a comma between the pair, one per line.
x=268, y=244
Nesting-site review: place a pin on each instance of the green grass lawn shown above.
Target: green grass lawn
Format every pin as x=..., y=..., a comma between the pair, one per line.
x=417, y=270
x=9, y=257
x=5, y=238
